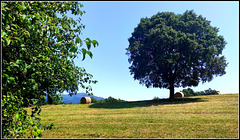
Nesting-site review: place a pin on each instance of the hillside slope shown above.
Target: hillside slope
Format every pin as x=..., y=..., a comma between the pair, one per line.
x=212, y=116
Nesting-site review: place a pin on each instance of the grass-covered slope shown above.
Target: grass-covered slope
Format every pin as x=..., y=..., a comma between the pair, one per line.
x=212, y=116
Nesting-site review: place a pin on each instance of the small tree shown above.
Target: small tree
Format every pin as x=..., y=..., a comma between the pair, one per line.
x=168, y=51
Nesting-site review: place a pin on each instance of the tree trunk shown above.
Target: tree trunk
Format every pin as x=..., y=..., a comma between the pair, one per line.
x=49, y=98
x=171, y=97
x=50, y=101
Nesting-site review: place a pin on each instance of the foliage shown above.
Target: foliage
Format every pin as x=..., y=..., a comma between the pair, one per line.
x=189, y=92
x=70, y=103
x=210, y=92
x=156, y=99
x=93, y=100
x=61, y=102
x=39, y=43
x=16, y=121
x=54, y=99
x=169, y=50
x=110, y=100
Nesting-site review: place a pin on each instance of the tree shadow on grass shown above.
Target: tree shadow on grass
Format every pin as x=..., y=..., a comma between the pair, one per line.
x=145, y=103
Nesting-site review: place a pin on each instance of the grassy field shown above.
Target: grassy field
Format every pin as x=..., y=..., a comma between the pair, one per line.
x=212, y=116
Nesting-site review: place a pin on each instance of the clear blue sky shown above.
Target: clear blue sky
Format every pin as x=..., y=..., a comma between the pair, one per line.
x=111, y=24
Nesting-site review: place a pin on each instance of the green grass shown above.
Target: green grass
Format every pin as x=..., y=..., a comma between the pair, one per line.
x=212, y=116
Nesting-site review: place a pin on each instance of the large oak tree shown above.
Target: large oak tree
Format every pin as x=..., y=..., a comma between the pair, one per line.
x=169, y=50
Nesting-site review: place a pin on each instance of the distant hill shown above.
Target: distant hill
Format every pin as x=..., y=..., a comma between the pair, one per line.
x=76, y=98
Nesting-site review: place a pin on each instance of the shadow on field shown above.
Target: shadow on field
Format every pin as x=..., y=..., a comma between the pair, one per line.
x=145, y=103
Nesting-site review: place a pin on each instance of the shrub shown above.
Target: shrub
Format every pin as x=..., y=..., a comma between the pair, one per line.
x=111, y=100
x=210, y=91
x=93, y=100
x=61, y=102
x=17, y=123
x=189, y=92
x=156, y=99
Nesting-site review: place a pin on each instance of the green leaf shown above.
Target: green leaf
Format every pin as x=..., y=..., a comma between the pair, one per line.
x=8, y=41
x=17, y=38
x=73, y=49
x=78, y=40
x=11, y=80
x=18, y=61
x=84, y=51
x=17, y=116
x=3, y=4
x=59, y=38
x=15, y=25
x=23, y=6
x=90, y=53
x=20, y=7
x=95, y=43
x=9, y=32
x=35, y=86
x=56, y=29
x=27, y=33
x=3, y=34
x=88, y=43
x=23, y=16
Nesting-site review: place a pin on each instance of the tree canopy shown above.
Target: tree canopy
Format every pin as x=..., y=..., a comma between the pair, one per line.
x=39, y=44
x=169, y=50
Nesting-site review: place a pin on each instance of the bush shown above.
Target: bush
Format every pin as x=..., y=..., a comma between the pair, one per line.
x=61, y=102
x=93, y=100
x=199, y=93
x=189, y=92
x=111, y=100
x=210, y=91
x=16, y=122
x=156, y=99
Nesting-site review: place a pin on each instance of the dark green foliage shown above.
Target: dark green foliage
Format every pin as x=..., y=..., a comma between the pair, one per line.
x=61, y=102
x=156, y=99
x=189, y=92
x=56, y=99
x=169, y=50
x=210, y=92
x=93, y=100
x=199, y=93
x=110, y=100
x=146, y=103
x=38, y=48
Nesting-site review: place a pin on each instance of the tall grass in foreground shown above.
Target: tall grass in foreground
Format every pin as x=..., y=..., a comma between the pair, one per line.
x=212, y=116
